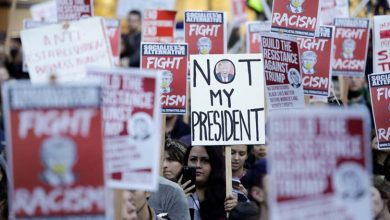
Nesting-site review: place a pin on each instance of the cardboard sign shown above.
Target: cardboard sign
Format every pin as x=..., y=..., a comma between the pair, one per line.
x=113, y=27
x=331, y=9
x=227, y=99
x=158, y=26
x=172, y=60
x=316, y=61
x=205, y=32
x=296, y=17
x=239, y=13
x=45, y=11
x=131, y=126
x=65, y=51
x=55, y=133
x=282, y=70
x=381, y=44
x=320, y=164
x=70, y=10
x=380, y=94
x=253, y=31
x=351, y=42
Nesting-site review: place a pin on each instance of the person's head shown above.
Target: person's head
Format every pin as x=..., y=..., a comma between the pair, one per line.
x=349, y=47
x=255, y=180
x=239, y=156
x=58, y=154
x=356, y=83
x=134, y=21
x=204, y=45
x=296, y=3
x=245, y=211
x=309, y=59
x=134, y=201
x=259, y=151
x=4, y=74
x=167, y=79
x=224, y=67
x=174, y=155
x=208, y=162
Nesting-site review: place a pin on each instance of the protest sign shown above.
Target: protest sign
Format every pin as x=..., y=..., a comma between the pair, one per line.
x=158, y=26
x=282, y=72
x=331, y=9
x=320, y=164
x=205, y=32
x=380, y=94
x=381, y=44
x=131, y=126
x=296, y=17
x=113, y=27
x=55, y=148
x=351, y=42
x=45, y=11
x=239, y=13
x=65, y=51
x=124, y=6
x=227, y=99
x=172, y=60
x=253, y=31
x=70, y=10
x=316, y=61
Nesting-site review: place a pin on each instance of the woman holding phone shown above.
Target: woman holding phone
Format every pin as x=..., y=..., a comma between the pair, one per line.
x=209, y=201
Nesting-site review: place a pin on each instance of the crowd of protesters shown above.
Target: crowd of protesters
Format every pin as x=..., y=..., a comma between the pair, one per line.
x=204, y=196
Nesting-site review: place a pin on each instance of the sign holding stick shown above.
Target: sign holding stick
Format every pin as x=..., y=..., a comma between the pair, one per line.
x=227, y=99
x=55, y=133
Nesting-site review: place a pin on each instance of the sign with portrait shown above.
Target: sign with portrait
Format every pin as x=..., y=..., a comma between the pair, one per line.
x=351, y=42
x=316, y=61
x=331, y=9
x=55, y=148
x=66, y=50
x=158, y=26
x=205, y=32
x=295, y=17
x=380, y=101
x=172, y=60
x=227, y=99
x=381, y=44
x=282, y=69
x=131, y=107
x=70, y=10
x=320, y=164
x=253, y=31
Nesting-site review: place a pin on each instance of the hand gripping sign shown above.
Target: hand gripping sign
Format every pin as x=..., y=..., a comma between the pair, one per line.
x=227, y=99
x=295, y=17
x=319, y=164
x=55, y=148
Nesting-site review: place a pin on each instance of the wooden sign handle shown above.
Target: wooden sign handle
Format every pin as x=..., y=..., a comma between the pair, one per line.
x=228, y=171
x=162, y=144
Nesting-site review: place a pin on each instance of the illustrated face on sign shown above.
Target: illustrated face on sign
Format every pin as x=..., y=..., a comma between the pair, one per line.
x=204, y=45
x=350, y=181
x=294, y=78
x=349, y=47
x=58, y=155
x=140, y=126
x=167, y=79
x=295, y=6
x=224, y=71
x=309, y=60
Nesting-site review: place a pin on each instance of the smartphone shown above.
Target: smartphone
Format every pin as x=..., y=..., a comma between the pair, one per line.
x=236, y=184
x=189, y=173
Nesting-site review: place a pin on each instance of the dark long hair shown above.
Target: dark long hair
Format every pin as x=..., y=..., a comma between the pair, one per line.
x=213, y=205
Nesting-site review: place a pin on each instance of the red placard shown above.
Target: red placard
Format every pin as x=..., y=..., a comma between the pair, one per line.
x=282, y=71
x=351, y=41
x=316, y=59
x=381, y=44
x=171, y=59
x=205, y=32
x=296, y=17
x=238, y=9
x=158, y=26
x=113, y=27
x=253, y=31
x=380, y=95
x=320, y=164
x=69, y=10
x=55, y=150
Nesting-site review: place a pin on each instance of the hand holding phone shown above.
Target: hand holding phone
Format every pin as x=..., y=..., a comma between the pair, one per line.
x=187, y=180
